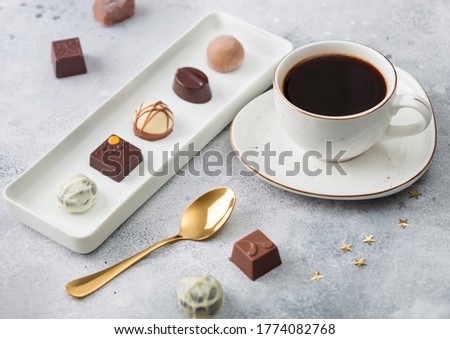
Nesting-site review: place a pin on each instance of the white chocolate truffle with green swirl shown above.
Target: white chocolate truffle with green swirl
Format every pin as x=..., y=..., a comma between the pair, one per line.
x=76, y=194
x=200, y=296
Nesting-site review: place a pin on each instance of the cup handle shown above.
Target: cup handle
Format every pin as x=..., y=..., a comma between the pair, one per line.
x=417, y=104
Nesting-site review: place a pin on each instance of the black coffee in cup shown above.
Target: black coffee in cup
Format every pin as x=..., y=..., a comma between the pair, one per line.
x=334, y=85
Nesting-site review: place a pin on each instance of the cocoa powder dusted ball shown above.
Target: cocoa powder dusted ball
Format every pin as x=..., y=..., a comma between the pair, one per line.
x=225, y=54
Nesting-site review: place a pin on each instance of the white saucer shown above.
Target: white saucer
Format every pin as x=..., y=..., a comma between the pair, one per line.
x=387, y=168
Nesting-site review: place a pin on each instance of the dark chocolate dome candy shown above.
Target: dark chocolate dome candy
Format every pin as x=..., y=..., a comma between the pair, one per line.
x=192, y=85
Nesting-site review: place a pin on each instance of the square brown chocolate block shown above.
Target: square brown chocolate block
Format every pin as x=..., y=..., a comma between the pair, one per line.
x=67, y=58
x=115, y=158
x=255, y=255
x=110, y=12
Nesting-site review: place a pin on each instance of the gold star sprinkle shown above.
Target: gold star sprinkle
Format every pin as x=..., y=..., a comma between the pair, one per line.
x=368, y=239
x=403, y=223
x=360, y=262
x=316, y=276
x=346, y=247
x=414, y=194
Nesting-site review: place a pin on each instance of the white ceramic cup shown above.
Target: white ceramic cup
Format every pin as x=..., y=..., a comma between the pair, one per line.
x=354, y=133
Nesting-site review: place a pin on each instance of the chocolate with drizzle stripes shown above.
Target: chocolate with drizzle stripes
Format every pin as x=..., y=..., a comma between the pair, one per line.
x=153, y=121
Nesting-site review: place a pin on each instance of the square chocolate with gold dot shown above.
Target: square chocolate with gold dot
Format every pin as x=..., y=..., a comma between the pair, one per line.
x=115, y=158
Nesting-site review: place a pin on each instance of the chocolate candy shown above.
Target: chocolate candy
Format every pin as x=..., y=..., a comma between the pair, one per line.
x=255, y=255
x=192, y=85
x=76, y=194
x=153, y=121
x=200, y=296
x=225, y=53
x=115, y=158
x=67, y=58
x=110, y=12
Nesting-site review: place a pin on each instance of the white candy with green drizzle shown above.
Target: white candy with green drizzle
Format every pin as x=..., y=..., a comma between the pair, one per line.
x=200, y=296
x=76, y=194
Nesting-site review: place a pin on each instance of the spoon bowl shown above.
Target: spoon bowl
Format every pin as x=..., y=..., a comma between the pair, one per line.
x=207, y=214
x=201, y=219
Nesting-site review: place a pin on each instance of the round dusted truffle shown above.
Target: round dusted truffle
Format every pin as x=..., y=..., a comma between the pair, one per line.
x=76, y=194
x=200, y=296
x=225, y=53
x=153, y=121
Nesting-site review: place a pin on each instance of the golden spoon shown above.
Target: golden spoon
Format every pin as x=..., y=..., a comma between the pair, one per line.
x=201, y=219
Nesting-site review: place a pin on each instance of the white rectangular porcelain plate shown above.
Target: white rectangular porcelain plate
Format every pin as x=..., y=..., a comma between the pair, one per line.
x=31, y=197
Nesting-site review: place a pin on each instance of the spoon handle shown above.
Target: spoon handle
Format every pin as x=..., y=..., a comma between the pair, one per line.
x=82, y=287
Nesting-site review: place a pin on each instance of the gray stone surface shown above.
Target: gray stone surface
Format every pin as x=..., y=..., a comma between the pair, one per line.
x=408, y=272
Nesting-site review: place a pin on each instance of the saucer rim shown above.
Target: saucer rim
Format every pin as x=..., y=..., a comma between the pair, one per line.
x=377, y=194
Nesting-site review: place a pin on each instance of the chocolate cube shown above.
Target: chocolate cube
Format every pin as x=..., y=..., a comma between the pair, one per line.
x=255, y=255
x=67, y=58
x=115, y=158
x=110, y=12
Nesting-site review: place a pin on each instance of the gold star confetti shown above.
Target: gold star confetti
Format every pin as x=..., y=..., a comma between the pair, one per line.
x=414, y=194
x=368, y=239
x=360, y=262
x=316, y=276
x=403, y=223
x=346, y=247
